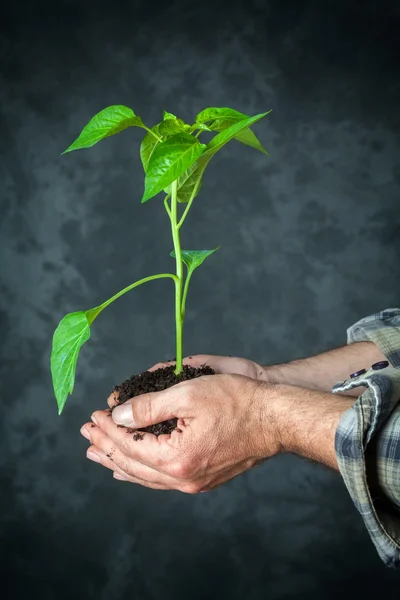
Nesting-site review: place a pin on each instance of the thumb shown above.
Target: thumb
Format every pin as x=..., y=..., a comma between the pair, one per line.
x=145, y=410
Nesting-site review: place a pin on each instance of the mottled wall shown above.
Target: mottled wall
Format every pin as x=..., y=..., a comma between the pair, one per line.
x=310, y=243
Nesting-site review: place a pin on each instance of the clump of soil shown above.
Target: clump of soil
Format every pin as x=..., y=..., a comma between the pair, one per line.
x=156, y=381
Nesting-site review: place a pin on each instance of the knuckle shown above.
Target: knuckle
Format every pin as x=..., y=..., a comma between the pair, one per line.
x=165, y=459
x=181, y=469
x=184, y=394
x=127, y=452
x=123, y=464
x=161, y=462
x=172, y=469
x=95, y=435
x=142, y=411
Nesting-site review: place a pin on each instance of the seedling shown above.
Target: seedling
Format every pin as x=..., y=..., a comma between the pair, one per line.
x=174, y=161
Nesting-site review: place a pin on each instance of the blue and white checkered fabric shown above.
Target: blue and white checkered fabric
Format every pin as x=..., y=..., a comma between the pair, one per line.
x=367, y=440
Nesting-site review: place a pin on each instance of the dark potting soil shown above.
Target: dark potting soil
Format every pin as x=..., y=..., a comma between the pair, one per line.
x=156, y=381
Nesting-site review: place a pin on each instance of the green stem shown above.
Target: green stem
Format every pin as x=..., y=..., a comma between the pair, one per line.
x=192, y=128
x=152, y=133
x=192, y=197
x=178, y=279
x=185, y=292
x=167, y=208
x=94, y=312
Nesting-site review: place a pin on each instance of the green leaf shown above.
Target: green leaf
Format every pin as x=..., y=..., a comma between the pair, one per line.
x=168, y=115
x=162, y=130
x=202, y=127
x=210, y=114
x=169, y=160
x=222, y=118
x=171, y=126
x=194, y=258
x=148, y=145
x=246, y=137
x=188, y=181
x=107, y=122
x=72, y=332
x=231, y=132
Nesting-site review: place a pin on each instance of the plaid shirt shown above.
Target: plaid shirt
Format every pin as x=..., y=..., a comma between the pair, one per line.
x=367, y=440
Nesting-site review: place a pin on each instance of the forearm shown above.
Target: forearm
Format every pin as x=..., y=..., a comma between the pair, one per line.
x=305, y=421
x=321, y=372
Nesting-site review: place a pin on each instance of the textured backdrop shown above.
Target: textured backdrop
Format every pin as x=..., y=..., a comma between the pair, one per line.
x=310, y=244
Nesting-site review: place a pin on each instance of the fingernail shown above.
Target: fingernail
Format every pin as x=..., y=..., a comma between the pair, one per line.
x=120, y=477
x=85, y=433
x=122, y=414
x=94, y=419
x=93, y=456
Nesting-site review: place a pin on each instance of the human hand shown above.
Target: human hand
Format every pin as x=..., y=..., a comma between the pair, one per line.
x=223, y=429
x=222, y=365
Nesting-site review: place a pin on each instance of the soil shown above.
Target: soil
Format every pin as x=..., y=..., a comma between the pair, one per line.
x=156, y=381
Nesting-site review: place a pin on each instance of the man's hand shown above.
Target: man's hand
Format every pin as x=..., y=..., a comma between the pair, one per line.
x=223, y=429
x=228, y=422
x=223, y=365
x=318, y=372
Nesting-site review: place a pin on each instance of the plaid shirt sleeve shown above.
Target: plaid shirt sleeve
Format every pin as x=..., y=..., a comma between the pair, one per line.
x=367, y=441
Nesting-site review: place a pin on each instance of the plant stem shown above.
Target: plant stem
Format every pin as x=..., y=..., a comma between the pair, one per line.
x=192, y=197
x=185, y=292
x=94, y=312
x=178, y=279
x=152, y=133
x=167, y=208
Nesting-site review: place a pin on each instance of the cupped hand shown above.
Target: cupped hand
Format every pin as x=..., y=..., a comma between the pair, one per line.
x=223, y=429
x=221, y=364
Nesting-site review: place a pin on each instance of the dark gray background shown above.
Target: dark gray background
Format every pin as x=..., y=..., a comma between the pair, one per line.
x=309, y=243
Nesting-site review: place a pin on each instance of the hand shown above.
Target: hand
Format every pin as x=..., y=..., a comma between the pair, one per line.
x=222, y=364
x=223, y=429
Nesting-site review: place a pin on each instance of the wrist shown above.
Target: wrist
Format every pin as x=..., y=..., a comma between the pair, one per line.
x=322, y=371
x=270, y=374
x=302, y=421
x=274, y=413
x=267, y=401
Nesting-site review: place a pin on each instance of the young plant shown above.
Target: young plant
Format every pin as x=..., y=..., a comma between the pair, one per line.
x=174, y=161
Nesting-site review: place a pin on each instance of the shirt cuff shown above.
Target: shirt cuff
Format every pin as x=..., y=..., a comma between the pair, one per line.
x=367, y=440
x=383, y=329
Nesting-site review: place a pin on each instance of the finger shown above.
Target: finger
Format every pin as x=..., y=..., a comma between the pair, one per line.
x=106, y=451
x=220, y=364
x=161, y=365
x=153, y=486
x=96, y=455
x=197, y=360
x=152, y=408
x=112, y=399
x=155, y=452
x=114, y=458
